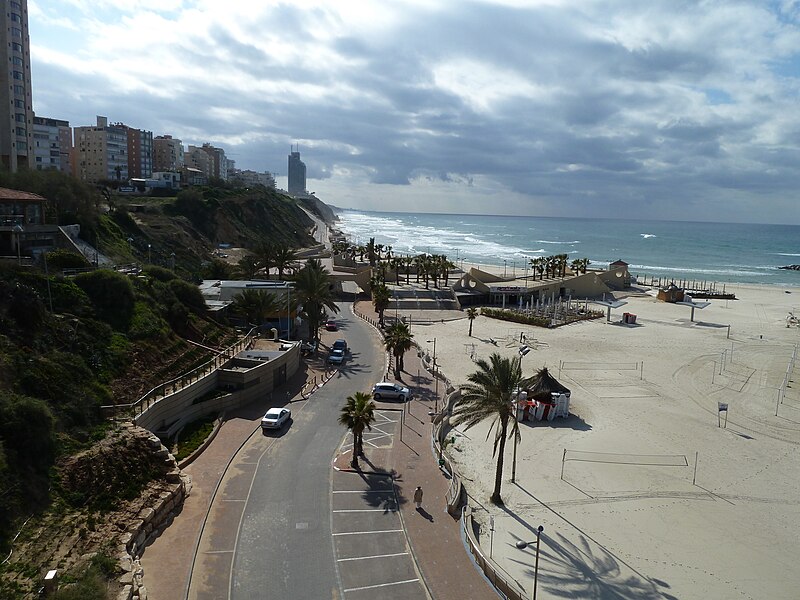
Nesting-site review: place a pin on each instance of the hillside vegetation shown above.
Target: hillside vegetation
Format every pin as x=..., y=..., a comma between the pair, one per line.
x=71, y=344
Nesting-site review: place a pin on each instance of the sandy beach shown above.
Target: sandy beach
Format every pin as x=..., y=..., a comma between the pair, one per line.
x=626, y=519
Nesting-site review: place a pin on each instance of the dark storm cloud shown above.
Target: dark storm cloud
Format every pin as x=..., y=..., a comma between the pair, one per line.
x=597, y=106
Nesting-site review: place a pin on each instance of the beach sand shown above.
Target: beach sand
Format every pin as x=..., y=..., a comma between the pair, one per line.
x=626, y=519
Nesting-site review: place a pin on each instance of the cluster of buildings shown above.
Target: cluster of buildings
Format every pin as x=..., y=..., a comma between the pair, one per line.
x=102, y=152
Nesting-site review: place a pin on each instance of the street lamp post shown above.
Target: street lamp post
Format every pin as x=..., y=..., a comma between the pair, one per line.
x=435, y=378
x=522, y=545
x=504, y=267
x=149, y=254
x=519, y=397
x=18, y=229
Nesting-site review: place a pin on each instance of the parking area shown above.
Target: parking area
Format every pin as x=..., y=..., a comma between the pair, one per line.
x=370, y=545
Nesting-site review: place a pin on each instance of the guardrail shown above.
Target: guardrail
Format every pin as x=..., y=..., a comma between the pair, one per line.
x=167, y=388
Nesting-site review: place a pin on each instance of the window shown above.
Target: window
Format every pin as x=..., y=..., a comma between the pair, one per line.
x=16, y=5
x=22, y=145
x=17, y=33
x=16, y=47
x=19, y=89
x=16, y=18
x=19, y=103
x=16, y=60
x=18, y=75
x=20, y=117
x=21, y=131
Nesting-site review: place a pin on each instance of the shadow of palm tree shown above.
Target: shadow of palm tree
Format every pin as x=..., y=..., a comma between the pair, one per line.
x=381, y=492
x=585, y=570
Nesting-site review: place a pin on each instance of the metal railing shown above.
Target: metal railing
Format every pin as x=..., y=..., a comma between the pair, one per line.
x=176, y=384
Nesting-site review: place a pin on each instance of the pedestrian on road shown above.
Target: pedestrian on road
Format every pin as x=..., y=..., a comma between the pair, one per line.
x=418, y=497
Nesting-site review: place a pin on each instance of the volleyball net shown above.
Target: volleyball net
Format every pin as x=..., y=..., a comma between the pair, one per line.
x=653, y=460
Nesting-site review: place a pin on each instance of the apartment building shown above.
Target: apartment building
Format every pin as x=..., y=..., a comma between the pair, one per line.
x=198, y=159
x=52, y=144
x=16, y=103
x=168, y=154
x=219, y=161
x=101, y=152
x=140, y=152
x=253, y=178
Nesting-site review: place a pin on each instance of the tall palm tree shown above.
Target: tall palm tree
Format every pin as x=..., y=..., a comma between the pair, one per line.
x=265, y=254
x=283, y=256
x=472, y=314
x=312, y=288
x=381, y=297
x=358, y=414
x=398, y=341
x=490, y=395
x=248, y=266
x=257, y=305
x=575, y=266
x=445, y=267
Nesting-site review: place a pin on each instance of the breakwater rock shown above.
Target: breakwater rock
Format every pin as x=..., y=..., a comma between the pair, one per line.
x=791, y=267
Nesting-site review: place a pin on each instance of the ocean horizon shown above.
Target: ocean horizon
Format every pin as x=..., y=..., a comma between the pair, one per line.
x=681, y=250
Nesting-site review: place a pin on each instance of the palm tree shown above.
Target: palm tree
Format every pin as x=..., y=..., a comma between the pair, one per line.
x=282, y=257
x=381, y=297
x=575, y=266
x=445, y=266
x=490, y=395
x=537, y=265
x=358, y=414
x=398, y=341
x=265, y=254
x=472, y=314
x=257, y=305
x=312, y=288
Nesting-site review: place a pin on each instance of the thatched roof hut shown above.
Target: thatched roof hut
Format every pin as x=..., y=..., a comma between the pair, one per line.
x=543, y=385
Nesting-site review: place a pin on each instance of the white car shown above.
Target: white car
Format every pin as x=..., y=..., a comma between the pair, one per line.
x=336, y=357
x=275, y=418
x=390, y=390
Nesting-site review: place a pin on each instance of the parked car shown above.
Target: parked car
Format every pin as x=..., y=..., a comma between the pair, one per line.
x=388, y=390
x=330, y=325
x=275, y=418
x=336, y=356
x=308, y=348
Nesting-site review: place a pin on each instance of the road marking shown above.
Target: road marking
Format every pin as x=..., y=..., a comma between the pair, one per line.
x=372, y=587
x=355, y=510
x=369, y=532
x=370, y=557
x=219, y=552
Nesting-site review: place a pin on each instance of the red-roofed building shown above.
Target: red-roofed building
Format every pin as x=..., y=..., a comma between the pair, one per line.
x=22, y=223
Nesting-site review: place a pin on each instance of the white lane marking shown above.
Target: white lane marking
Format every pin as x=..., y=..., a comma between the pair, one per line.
x=369, y=532
x=372, y=587
x=369, y=557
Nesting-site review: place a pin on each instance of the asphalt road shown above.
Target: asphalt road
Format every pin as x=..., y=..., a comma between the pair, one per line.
x=284, y=547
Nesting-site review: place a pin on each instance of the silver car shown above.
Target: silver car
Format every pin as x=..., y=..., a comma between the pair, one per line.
x=275, y=418
x=390, y=391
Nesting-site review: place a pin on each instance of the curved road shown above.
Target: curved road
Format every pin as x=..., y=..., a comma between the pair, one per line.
x=284, y=547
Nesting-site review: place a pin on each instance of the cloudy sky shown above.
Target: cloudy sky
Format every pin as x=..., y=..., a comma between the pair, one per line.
x=641, y=109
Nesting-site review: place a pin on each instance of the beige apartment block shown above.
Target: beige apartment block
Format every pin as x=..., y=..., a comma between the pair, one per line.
x=101, y=152
x=16, y=114
x=199, y=159
x=168, y=154
x=52, y=143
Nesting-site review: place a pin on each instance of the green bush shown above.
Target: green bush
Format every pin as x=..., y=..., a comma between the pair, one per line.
x=189, y=295
x=159, y=273
x=193, y=435
x=69, y=298
x=90, y=586
x=146, y=324
x=111, y=294
x=64, y=259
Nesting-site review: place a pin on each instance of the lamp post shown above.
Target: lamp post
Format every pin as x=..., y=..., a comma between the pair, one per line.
x=18, y=229
x=172, y=260
x=522, y=545
x=435, y=378
x=504, y=267
x=149, y=254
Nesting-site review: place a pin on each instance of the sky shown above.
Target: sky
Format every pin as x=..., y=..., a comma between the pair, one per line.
x=680, y=110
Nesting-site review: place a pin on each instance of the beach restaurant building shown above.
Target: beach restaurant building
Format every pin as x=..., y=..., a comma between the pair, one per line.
x=478, y=287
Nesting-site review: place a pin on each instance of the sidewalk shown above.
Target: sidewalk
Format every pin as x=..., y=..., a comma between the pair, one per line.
x=440, y=553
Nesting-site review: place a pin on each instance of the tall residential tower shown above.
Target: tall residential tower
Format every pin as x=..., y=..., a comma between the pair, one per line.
x=297, y=174
x=16, y=116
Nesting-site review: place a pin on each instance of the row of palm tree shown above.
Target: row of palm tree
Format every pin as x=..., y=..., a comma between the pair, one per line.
x=312, y=290
x=556, y=265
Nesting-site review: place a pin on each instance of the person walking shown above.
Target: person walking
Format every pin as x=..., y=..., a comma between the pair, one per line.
x=418, y=497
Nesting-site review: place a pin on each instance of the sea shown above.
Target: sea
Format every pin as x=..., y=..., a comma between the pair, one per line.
x=679, y=250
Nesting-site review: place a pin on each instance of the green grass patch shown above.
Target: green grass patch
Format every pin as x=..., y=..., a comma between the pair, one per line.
x=193, y=435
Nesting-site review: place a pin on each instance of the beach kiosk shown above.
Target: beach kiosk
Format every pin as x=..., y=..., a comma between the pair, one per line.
x=546, y=399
